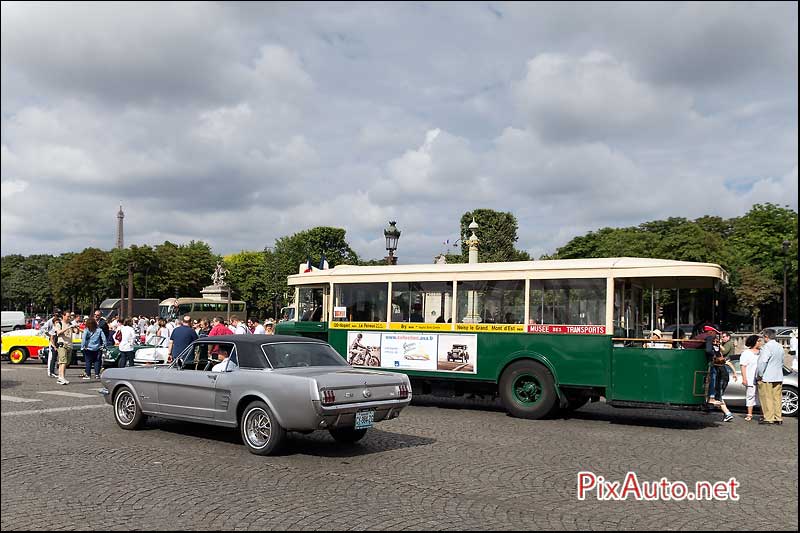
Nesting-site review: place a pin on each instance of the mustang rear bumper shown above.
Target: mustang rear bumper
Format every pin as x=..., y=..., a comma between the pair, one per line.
x=344, y=415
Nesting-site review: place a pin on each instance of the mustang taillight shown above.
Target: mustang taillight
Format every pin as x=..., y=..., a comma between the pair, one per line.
x=328, y=397
x=403, y=391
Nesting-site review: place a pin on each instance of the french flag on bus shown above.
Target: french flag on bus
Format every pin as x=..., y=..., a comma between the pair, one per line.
x=308, y=265
x=323, y=263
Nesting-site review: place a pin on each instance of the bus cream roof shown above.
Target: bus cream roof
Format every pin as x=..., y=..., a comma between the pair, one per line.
x=660, y=273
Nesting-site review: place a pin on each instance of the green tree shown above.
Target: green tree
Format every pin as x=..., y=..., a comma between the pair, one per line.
x=497, y=232
x=25, y=285
x=311, y=244
x=756, y=289
x=248, y=277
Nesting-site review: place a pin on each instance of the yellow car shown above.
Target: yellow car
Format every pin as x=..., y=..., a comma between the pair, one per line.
x=23, y=343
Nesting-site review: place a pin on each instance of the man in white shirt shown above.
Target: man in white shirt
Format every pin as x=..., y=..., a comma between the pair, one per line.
x=225, y=364
x=258, y=329
x=238, y=327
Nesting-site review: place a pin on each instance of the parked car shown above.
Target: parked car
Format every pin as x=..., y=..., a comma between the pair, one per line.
x=155, y=352
x=782, y=331
x=277, y=384
x=12, y=320
x=735, y=394
x=19, y=345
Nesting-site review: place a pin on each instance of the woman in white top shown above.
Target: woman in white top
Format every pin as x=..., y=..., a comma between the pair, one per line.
x=163, y=331
x=748, y=362
x=126, y=342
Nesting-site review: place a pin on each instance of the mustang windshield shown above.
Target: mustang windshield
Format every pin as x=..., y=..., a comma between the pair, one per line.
x=296, y=354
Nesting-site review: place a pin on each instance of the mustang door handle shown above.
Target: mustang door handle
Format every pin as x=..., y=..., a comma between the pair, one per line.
x=212, y=376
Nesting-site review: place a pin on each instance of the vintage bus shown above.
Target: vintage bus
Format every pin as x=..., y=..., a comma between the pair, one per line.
x=541, y=335
x=198, y=308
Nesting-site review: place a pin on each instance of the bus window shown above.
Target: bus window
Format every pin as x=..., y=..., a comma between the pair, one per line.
x=364, y=301
x=489, y=302
x=310, y=304
x=429, y=301
x=568, y=301
x=628, y=305
x=184, y=309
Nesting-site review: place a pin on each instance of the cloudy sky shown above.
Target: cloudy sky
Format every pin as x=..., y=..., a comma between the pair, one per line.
x=237, y=124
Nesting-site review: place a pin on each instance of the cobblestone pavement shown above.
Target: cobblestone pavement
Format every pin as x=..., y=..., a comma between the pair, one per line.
x=444, y=465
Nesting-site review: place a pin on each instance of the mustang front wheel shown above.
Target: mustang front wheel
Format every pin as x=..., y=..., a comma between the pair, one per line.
x=126, y=410
x=261, y=432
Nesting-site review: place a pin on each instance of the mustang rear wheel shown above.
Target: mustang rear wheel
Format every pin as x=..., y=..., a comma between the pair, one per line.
x=261, y=432
x=126, y=411
x=348, y=435
x=17, y=355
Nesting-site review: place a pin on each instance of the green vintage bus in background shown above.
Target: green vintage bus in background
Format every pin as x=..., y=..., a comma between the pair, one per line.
x=542, y=335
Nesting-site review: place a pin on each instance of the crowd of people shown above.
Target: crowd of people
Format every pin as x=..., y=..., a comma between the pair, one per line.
x=761, y=366
x=97, y=333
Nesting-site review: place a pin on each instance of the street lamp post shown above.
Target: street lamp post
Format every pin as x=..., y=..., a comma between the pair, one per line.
x=392, y=235
x=785, y=250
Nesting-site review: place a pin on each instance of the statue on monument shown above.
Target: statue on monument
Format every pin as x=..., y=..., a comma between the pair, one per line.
x=218, y=277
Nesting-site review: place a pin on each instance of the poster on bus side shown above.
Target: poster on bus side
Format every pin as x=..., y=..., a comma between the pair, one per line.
x=363, y=348
x=410, y=351
x=458, y=353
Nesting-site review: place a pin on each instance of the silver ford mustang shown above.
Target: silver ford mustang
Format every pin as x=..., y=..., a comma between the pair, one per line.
x=265, y=385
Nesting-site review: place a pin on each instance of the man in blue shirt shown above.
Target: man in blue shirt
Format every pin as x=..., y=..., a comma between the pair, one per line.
x=181, y=337
x=769, y=376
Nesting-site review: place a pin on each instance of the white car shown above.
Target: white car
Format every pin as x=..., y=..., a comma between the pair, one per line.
x=152, y=356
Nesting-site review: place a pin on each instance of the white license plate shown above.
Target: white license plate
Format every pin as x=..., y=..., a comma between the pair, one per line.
x=365, y=419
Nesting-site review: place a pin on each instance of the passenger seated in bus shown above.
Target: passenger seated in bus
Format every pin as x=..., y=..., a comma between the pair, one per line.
x=416, y=315
x=440, y=320
x=316, y=316
x=655, y=336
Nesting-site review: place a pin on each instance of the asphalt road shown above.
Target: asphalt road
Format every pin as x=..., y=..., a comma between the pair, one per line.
x=443, y=465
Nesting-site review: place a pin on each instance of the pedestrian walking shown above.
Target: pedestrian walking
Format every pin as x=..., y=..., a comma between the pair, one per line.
x=748, y=363
x=92, y=342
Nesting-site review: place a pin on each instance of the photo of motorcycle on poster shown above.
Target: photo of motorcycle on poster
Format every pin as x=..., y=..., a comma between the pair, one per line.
x=363, y=348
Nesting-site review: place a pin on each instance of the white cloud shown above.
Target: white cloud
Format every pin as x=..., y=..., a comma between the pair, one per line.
x=271, y=118
x=594, y=97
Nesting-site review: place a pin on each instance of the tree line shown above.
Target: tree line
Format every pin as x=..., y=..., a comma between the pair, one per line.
x=748, y=247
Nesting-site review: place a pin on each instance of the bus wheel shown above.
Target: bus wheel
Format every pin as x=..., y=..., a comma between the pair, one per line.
x=17, y=355
x=527, y=390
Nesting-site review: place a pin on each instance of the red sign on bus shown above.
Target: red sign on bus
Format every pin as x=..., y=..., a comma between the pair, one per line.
x=573, y=330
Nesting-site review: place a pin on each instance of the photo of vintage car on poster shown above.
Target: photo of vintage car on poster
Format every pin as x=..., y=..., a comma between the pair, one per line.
x=458, y=353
